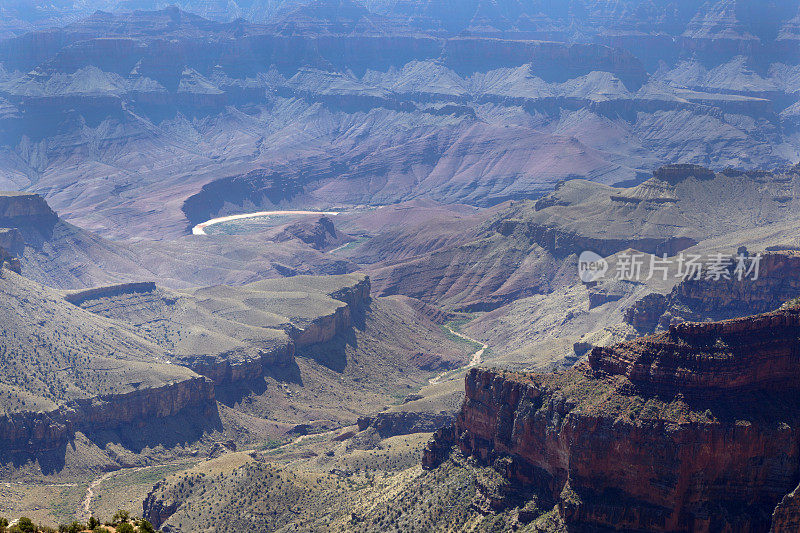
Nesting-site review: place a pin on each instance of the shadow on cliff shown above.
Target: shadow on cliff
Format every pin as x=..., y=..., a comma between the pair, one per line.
x=49, y=461
x=757, y=406
x=180, y=430
x=184, y=428
x=333, y=354
x=230, y=394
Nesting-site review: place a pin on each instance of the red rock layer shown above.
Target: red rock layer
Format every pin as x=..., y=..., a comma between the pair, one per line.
x=695, y=429
x=778, y=281
x=758, y=352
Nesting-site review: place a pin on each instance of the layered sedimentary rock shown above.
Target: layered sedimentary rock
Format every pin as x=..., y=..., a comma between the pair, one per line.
x=79, y=297
x=391, y=423
x=66, y=370
x=31, y=433
x=478, y=117
x=19, y=209
x=751, y=353
x=776, y=280
x=232, y=334
x=7, y=260
x=693, y=429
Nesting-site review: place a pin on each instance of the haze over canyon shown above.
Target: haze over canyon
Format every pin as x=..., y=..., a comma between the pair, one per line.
x=314, y=265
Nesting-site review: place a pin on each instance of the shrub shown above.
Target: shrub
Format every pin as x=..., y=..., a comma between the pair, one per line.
x=26, y=525
x=125, y=527
x=75, y=527
x=120, y=516
x=145, y=526
x=93, y=523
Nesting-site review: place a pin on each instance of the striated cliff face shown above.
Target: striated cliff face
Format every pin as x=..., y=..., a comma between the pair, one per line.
x=778, y=281
x=693, y=429
x=79, y=297
x=391, y=423
x=563, y=242
x=7, y=261
x=35, y=432
x=786, y=517
x=230, y=367
x=752, y=353
x=232, y=334
x=24, y=209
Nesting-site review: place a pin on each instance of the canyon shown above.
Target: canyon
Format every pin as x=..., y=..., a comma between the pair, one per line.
x=386, y=329
x=285, y=114
x=633, y=438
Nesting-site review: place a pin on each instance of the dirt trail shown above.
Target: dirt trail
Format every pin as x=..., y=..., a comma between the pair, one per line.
x=477, y=357
x=85, y=511
x=86, y=508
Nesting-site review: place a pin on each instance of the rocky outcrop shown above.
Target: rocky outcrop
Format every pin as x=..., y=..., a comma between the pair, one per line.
x=233, y=367
x=79, y=297
x=325, y=328
x=155, y=509
x=778, y=281
x=320, y=234
x=696, y=429
x=32, y=433
x=753, y=353
x=357, y=296
x=25, y=209
x=392, y=423
x=646, y=313
x=786, y=517
x=7, y=261
x=563, y=242
x=11, y=240
x=674, y=174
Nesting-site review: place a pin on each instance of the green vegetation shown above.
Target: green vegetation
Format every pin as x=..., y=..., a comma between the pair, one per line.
x=122, y=522
x=352, y=244
x=468, y=344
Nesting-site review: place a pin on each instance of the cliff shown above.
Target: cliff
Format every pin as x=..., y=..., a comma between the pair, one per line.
x=231, y=367
x=24, y=209
x=752, y=353
x=32, y=433
x=778, y=281
x=694, y=429
x=78, y=297
x=231, y=334
x=10, y=262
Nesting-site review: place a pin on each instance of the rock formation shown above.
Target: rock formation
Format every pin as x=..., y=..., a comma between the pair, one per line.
x=434, y=100
x=214, y=331
x=778, y=281
x=25, y=210
x=692, y=429
x=29, y=434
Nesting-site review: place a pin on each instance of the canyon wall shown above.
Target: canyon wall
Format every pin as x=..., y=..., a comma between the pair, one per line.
x=231, y=368
x=143, y=302
x=31, y=434
x=79, y=297
x=694, y=429
x=778, y=281
x=24, y=209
